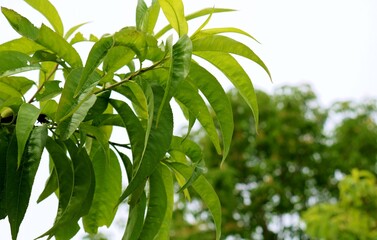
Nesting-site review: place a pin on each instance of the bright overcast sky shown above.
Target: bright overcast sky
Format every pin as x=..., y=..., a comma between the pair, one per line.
x=331, y=44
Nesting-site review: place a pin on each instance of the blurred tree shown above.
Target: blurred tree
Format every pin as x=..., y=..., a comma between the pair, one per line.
x=353, y=217
x=299, y=155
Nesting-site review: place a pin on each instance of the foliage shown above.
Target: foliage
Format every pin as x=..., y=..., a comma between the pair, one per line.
x=294, y=161
x=128, y=80
x=353, y=216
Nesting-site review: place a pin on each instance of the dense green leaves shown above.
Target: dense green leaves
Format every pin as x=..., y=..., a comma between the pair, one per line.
x=127, y=82
x=20, y=178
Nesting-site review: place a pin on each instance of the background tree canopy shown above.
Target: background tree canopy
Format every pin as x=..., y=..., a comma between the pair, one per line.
x=297, y=158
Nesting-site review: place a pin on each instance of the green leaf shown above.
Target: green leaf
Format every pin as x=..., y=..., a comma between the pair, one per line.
x=205, y=191
x=22, y=45
x=44, y=56
x=76, y=200
x=100, y=137
x=50, y=90
x=213, y=31
x=151, y=17
x=20, y=179
x=174, y=12
x=218, y=100
x=135, y=219
x=20, y=84
x=190, y=97
x=157, y=144
x=107, y=191
x=12, y=62
x=27, y=116
x=73, y=29
x=201, y=13
x=132, y=38
x=160, y=205
x=188, y=147
x=237, y=75
x=179, y=68
x=135, y=131
x=49, y=12
x=50, y=187
x=141, y=10
x=146, y=18
x=218, y=43
x=4, y=143
x=21, y=24
x=116, y=58
x=72, y=111
x=99, y=106
x=57, y=44
x=96, y=55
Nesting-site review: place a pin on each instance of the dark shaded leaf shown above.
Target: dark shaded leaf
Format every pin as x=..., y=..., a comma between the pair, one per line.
x=160, y=205
x=157, y=144
x=20, y=179
x=107, y=191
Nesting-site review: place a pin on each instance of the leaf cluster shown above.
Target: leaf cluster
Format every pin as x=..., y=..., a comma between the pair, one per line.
x=128, y=80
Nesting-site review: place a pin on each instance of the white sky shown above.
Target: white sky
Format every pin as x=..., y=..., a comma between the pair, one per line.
x=331, y=44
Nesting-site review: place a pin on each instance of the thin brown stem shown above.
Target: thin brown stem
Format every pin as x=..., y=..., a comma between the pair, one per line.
x=44, y=82
x=129, y=77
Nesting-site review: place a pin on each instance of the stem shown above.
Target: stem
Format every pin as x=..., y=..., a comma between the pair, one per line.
x=128, y=78
x=43, y=84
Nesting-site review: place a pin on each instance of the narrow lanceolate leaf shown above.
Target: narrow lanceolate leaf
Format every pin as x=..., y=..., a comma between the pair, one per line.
x=135, y=219
x=27, y=116
x=4, y=143
x=73, y=29
x=23, y=45
x=174, y=12
x=205, y=191
x=80, y=186
x=160, y=206
x=12, y=62
x=236, y=74
x=218, y=43
x=157, y=145
x=218, y=100
x=213, y=31
x=50, y=187
x=65, y=174
x=20, y=179
x=21, y=24
x=201, y=13
x=96, y=55
x=190, y=97
x=72, y=111
x=146, y=18
x=50, y=13
x=151, y=17
x=57, y=44
x=141, y=10
x=135, y=130
x=107, y=191
x=179, y=68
